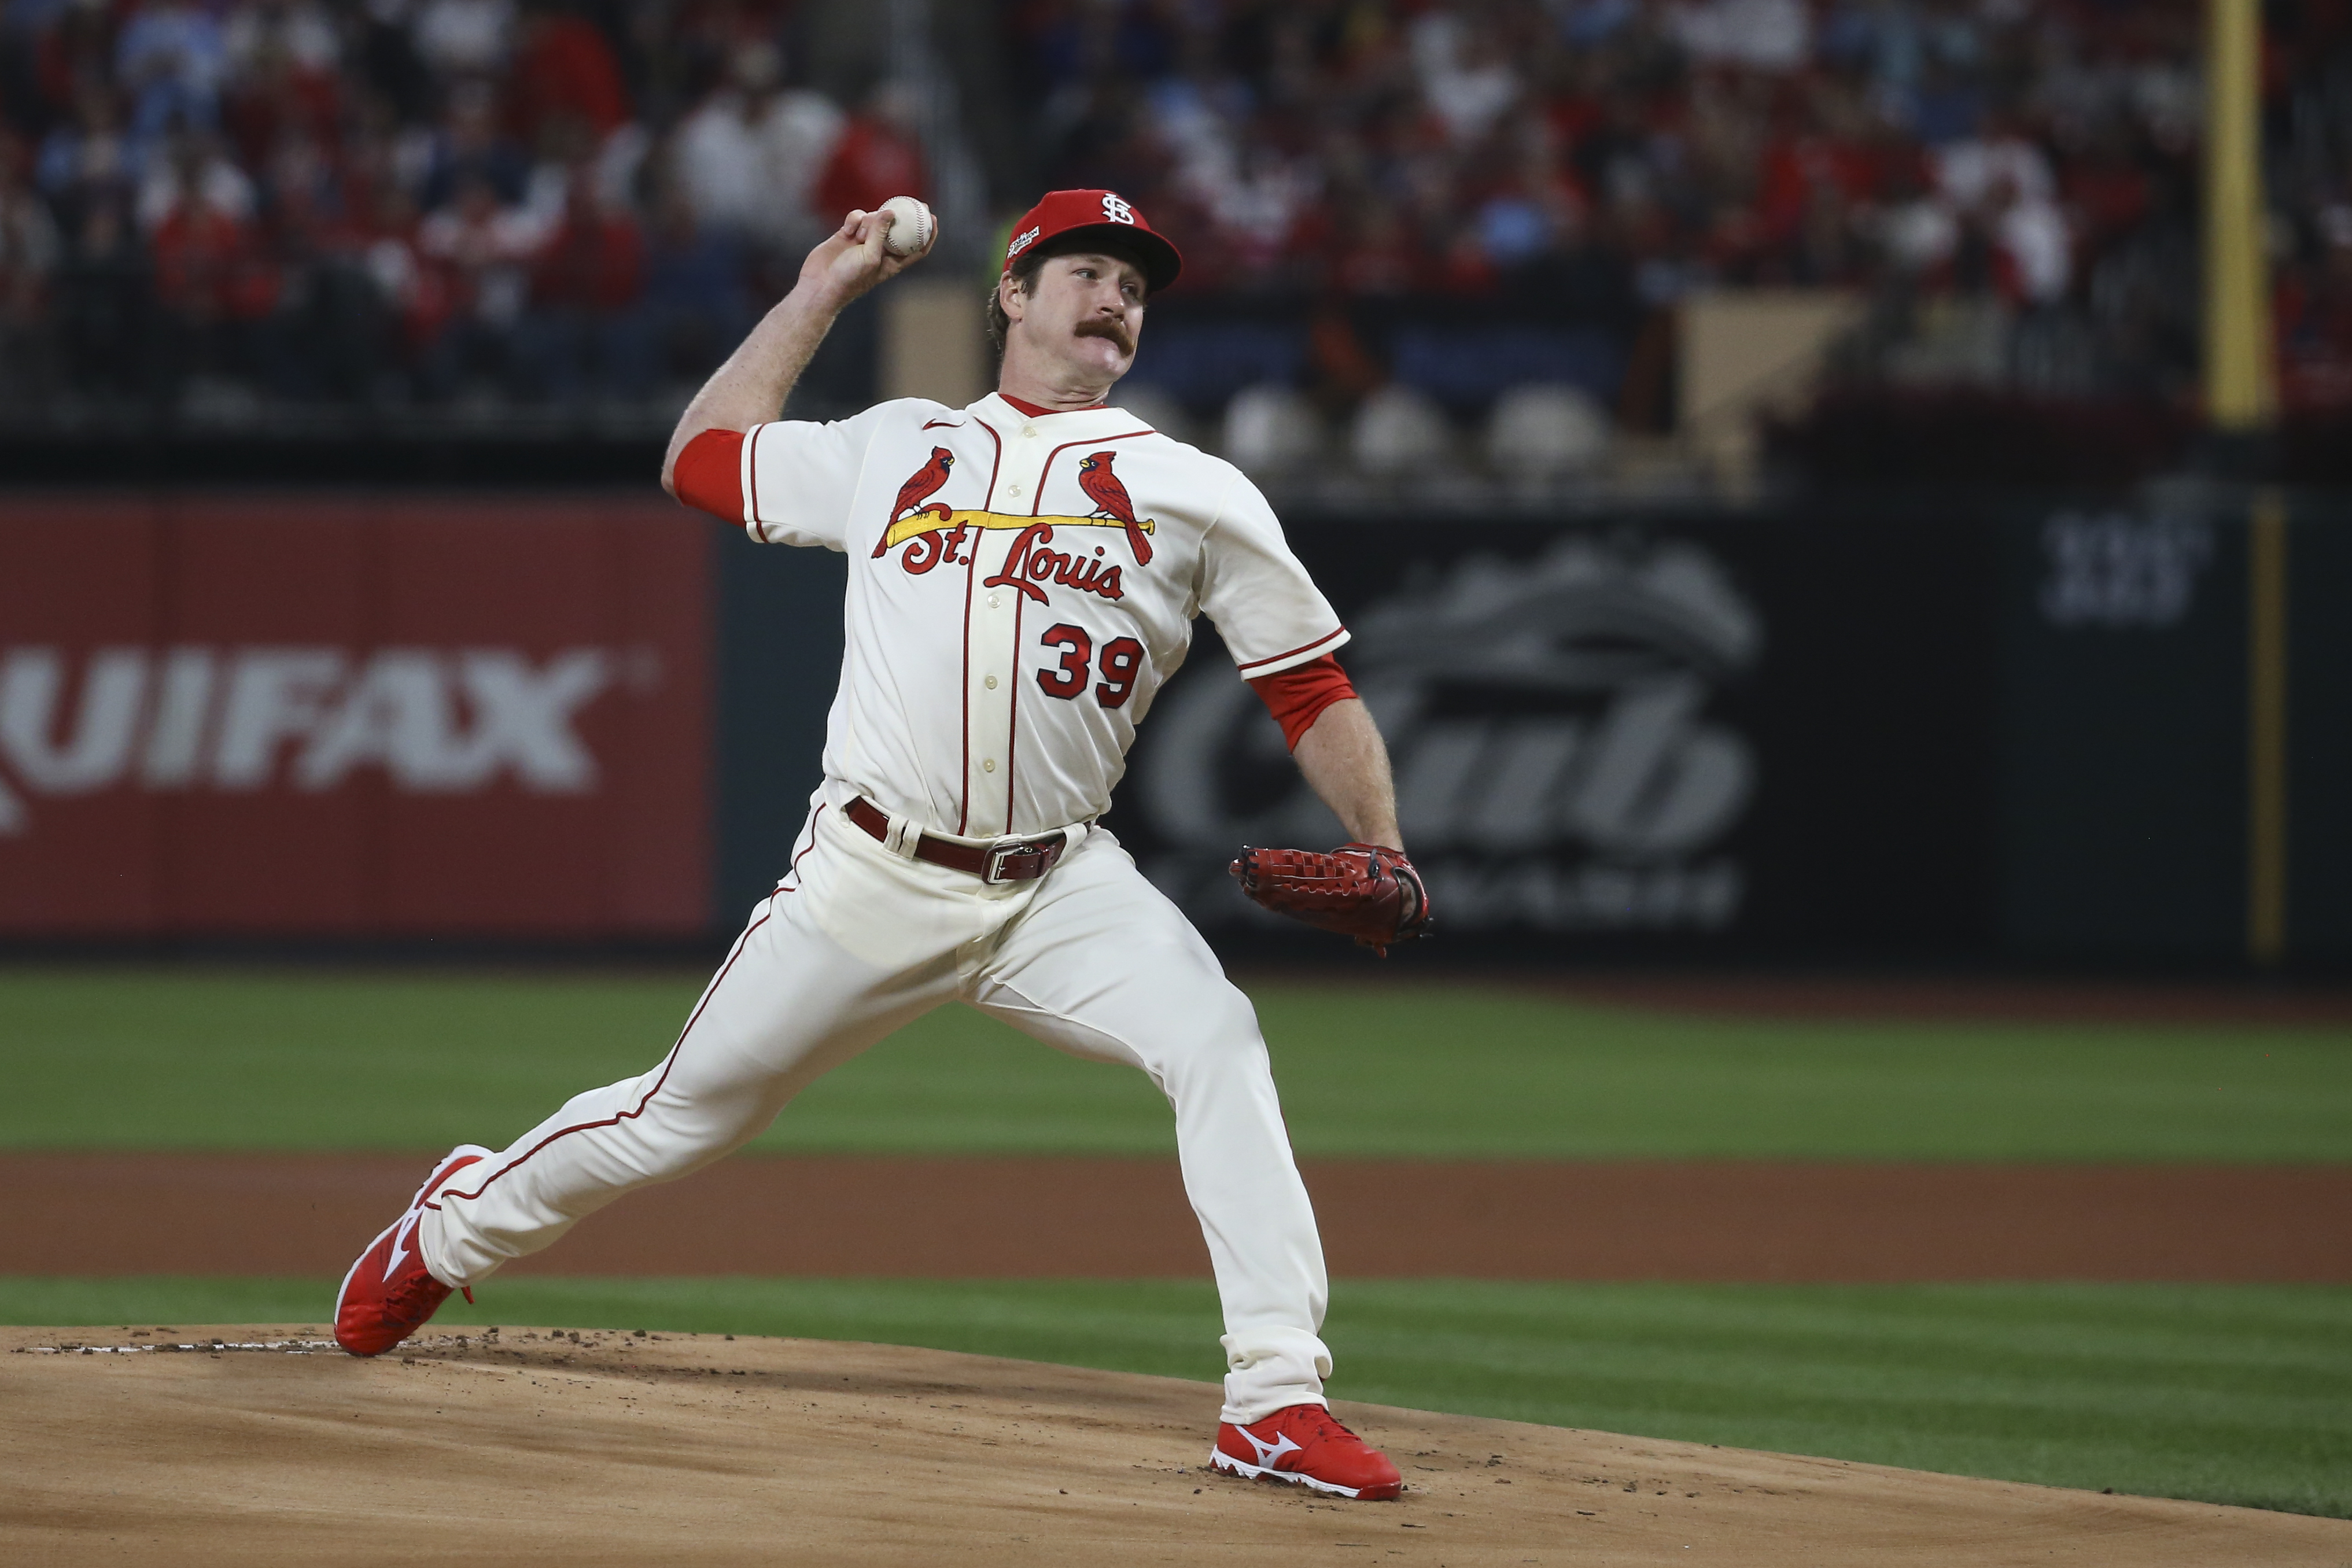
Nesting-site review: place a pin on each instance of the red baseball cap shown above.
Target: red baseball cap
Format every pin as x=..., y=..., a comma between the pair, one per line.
x=1059, y=212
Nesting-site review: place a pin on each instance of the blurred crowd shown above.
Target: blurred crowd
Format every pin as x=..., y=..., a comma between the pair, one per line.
x=552, y=201
x=2012, y=182
x=396, y=200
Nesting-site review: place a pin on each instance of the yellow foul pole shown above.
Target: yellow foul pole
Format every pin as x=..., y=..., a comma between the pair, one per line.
x=2242, y=400
x=2239, y=371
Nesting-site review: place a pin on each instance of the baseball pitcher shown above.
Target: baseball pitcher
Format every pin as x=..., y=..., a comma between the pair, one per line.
x=1024, y=574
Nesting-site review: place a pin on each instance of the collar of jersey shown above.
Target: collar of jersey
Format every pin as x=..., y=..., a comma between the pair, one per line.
x=1077, y=424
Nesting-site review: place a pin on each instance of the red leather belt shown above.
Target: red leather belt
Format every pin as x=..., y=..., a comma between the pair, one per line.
x=1013, y=860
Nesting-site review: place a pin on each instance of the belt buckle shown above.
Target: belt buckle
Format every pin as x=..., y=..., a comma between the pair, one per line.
x=1030, y=853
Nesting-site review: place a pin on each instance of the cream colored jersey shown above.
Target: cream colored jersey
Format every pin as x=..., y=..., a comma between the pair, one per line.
x=1019, y=589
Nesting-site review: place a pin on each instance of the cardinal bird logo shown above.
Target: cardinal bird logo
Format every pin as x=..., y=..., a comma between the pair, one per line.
x=1110, y=498
x=918, y=489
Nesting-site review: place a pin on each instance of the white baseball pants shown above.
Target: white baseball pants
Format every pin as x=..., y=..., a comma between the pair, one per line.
x=858, y=941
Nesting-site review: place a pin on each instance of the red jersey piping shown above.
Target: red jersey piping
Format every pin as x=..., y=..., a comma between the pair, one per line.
x=1035, y=410
x=620, y=1116
x=970, y=586
x=1303, y=647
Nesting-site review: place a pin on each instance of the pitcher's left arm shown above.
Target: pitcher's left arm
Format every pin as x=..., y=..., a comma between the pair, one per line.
x=1366, y=888
x=1343, y=758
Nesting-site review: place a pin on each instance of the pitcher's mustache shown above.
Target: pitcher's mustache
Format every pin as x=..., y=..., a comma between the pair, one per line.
x=1103, y=327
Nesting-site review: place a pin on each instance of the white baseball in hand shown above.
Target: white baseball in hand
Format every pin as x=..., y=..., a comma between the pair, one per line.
x=911, y=226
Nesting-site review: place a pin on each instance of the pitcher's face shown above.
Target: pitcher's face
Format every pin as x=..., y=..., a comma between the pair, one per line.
x=1086, y=312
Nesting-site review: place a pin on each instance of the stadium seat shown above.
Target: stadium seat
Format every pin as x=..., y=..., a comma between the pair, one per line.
x=1400, y=431
x=1202, y=364
x=1270, y=429
x=1461, y=366
x=1541, y=432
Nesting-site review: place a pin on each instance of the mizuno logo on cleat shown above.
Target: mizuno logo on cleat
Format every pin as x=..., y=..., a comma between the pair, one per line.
x=399, y=1244
x=1267, y=1453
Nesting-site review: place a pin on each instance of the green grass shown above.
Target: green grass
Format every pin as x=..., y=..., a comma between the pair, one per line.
x=2223, y=1394
x=171, y=1058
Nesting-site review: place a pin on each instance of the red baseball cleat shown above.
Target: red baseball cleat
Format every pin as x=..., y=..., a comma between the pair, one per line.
x=1306, y=1443
x=389, y=1293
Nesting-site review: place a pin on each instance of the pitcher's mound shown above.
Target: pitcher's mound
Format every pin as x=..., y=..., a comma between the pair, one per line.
x=253, y=1444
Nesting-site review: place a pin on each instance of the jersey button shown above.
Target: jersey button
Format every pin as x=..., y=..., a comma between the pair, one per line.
x=991, y=683
x=1014, y=492
x=988, y=765
x=992, y=601
x=1029, y=431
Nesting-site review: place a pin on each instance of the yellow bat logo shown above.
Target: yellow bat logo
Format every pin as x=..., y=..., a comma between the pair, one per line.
x=926, y=522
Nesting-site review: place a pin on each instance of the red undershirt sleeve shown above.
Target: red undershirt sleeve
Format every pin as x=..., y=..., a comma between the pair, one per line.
x=709, y=474
x=1297, y=697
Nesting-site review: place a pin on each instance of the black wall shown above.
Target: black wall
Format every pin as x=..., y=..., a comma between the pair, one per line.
x=780, y=632
x=2319, y=733
x=1844, y=666
x=1892, y=728
x=2123, y=743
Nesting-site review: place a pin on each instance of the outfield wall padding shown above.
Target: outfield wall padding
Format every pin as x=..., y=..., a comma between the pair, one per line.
x=1871, y=727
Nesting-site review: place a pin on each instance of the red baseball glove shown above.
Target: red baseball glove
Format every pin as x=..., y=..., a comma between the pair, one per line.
x=1365, y=891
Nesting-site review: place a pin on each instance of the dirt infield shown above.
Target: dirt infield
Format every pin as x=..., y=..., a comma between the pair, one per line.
x=1032, y=1218
x=603, y=1448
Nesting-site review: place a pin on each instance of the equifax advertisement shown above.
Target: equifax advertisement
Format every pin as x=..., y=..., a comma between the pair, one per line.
x=302, y=715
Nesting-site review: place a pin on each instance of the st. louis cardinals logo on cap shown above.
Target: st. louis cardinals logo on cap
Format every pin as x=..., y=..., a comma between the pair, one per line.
x=1063, y=213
